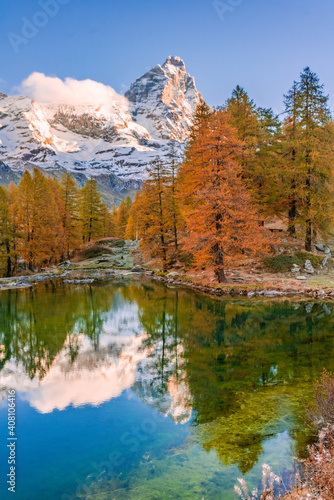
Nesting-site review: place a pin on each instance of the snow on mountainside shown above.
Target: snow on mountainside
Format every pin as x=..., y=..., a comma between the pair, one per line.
x=113, y=143
x=164, y=100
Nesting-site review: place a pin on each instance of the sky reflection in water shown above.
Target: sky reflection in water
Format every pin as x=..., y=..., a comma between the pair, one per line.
x=138, y=391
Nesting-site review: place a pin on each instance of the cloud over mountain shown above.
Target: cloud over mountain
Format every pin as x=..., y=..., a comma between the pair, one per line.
x=49, y=89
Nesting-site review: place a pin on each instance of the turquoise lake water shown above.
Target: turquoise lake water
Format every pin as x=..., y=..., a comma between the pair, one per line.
x=133, y=390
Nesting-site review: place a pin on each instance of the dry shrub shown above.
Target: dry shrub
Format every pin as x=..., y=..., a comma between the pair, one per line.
x=319, y=467
x=324, y=400
x=93, y=252
x=317, y=482
x=318, y=477
x=269, y=479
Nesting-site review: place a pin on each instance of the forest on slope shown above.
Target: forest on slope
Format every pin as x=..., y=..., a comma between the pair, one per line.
x=242, y=166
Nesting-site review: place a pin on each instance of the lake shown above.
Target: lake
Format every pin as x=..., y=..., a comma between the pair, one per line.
x=132, y=390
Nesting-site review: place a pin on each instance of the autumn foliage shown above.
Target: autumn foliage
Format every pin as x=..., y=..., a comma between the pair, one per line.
x=43, y=221
x=204, y=209
x=242, y=165
x=221, y=223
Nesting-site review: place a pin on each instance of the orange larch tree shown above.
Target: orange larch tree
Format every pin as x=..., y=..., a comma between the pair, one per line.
x=153, y=214
x=38, y=221
x=221, y=223
x=47, y=241
x=68, y=191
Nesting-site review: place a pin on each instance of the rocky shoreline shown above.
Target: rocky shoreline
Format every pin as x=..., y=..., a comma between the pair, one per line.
x=249, y=290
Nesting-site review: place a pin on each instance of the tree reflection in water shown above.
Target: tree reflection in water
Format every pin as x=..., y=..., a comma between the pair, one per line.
x=238, y=371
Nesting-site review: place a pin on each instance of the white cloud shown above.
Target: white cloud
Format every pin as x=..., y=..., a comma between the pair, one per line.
x=91, y=380
x=47, y=89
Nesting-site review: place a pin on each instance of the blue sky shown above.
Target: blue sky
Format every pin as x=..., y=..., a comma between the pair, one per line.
x=259, y=44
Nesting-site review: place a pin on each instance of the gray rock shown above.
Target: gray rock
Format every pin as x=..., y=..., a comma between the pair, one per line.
x=295, y=270
x=328, y=252
x=324, y=262
x=320, y=247
x=173, y=274
x=308, y=267
x=270, y=293
x=79, y=282
x=301, y=278
x=327, y=310
x=136, y=269
x=67, y=263
x=309, y=307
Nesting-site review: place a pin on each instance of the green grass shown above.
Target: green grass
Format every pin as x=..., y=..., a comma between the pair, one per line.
x=94, y=251
x=316, y=260
x=117, y=244
x=281, y=263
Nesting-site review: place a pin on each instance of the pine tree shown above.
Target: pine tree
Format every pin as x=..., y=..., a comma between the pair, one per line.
x=70, y=213
x=105, y=220
x=46, y=244
x=121, y=221
x=113, y=222
x=290, y=146
x=171, y=194
x=128, y=204
x=130, y=233
x=6, y=234
x=202, y=116
x=307, y=165
x=24, y=207
x=254, y=128
x=154, y=223
x=270, y=123
x=90, y=211
x=12, y=195
x=134, y=213
x=123, y=214
x=315, y=137
x=244, y=117
x=220, y=220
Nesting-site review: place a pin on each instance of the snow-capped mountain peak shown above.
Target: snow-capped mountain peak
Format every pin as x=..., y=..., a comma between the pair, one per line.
x=118, y=137
x=164, y=100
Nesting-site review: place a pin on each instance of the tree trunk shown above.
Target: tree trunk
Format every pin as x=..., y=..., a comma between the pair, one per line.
x=162, y=233
x=219, y=264
x=220, y=273
x=9, y=261
x=292, y=219
x=164, y=253
x=292, y=212
x=308, y=235
x=175, y=234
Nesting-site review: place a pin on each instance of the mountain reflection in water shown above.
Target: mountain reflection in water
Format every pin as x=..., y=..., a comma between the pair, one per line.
x=234, y=373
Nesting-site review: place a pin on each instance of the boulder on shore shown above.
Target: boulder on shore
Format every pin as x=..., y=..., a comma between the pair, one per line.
x=308, y=267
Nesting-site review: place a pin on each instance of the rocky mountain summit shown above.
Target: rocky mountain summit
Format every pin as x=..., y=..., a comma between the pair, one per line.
x=113, y=143
x=164, y=99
